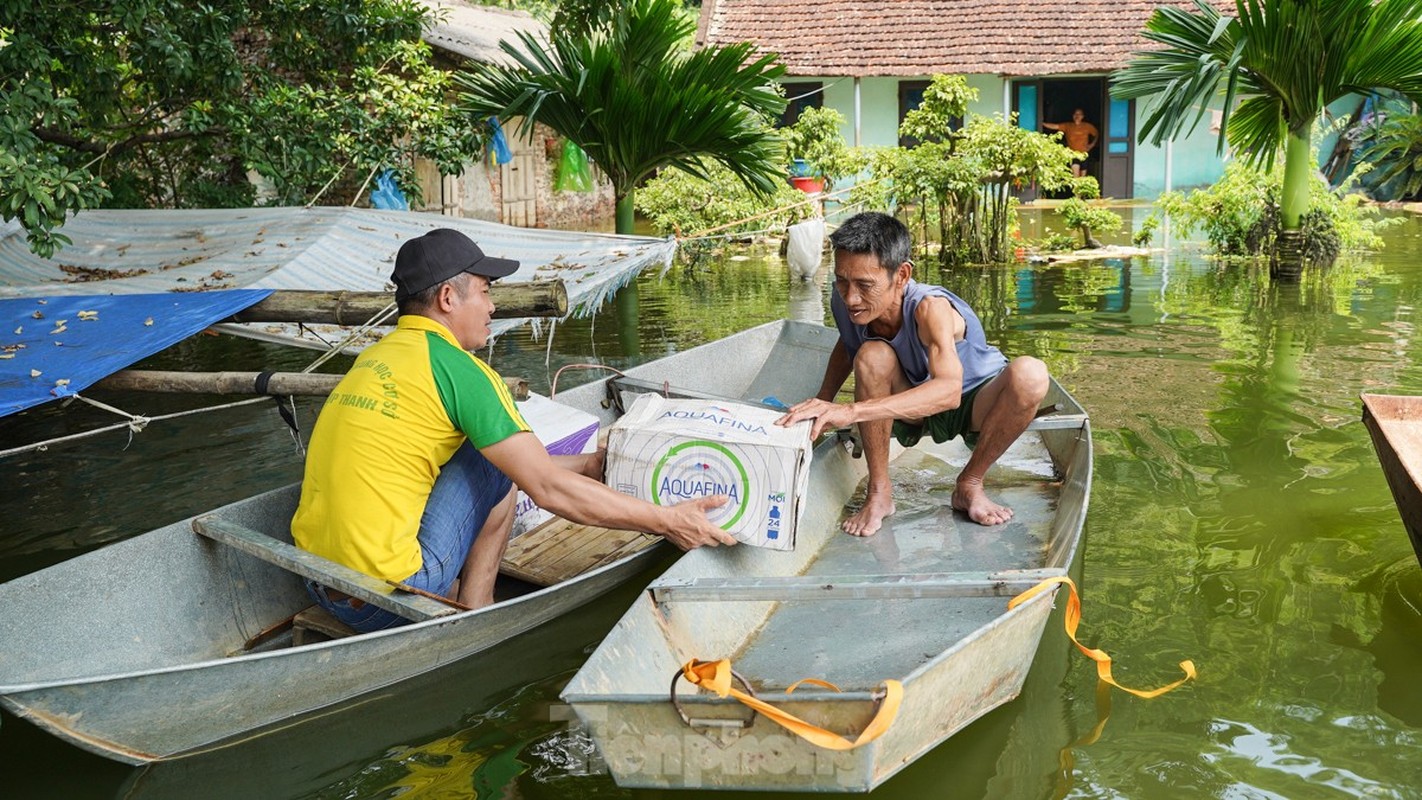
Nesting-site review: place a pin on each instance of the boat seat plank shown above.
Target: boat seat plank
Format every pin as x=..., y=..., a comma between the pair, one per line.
x=328, y=573
x=559, y=550
x=319, y=621
x=926, y=586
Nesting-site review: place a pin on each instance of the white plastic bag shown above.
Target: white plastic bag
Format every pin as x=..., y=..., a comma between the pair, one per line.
x=805, y=248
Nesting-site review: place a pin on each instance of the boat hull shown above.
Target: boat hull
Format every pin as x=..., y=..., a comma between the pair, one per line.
x=1395, y=424
x=136, y=651
x=958, y=651
x=161, y=712
x=646, y=744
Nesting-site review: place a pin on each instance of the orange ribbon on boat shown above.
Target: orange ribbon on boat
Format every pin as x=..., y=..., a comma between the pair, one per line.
x=1103, y=661
x=716, y=676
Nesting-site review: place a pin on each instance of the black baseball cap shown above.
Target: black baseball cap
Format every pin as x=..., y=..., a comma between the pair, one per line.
x=439, y=255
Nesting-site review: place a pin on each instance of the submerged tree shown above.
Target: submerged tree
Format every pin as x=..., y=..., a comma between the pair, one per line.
x=1084, y=212
x=164, y=103
x=1287, y=59
x=628, y=94
x=964, y=176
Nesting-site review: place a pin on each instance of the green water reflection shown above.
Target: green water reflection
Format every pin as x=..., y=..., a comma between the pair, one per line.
x=1239, y=519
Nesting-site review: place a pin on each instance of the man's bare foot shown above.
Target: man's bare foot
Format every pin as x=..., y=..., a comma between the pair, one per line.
x=973, y=501
x=868, y=519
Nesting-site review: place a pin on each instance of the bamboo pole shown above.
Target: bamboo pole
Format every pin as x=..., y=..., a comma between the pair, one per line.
x=511, y=301
x=279, y=384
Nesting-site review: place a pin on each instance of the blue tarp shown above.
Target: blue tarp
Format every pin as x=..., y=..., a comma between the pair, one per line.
x=61, y=340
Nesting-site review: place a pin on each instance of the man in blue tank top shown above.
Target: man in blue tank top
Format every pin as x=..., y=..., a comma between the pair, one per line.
x=921, y=363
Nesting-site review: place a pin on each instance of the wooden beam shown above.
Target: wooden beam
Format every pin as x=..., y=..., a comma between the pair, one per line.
x=328, y=573
x=511, y=301
x=279, y=384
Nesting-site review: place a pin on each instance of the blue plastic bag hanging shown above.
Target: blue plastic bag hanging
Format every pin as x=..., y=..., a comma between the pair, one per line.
x=574, y=174
x=499, y=145
x=387, y=195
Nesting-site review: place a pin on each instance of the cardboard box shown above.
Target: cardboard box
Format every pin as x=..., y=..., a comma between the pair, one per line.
x=564, y=431
x=666, y=451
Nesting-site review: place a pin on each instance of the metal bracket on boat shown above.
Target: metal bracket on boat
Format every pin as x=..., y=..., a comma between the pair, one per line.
x=851, y=437
x=726, y=729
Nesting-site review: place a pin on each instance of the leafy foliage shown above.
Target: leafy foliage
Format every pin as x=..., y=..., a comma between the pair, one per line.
x=682, y=203
x=1391, y=142
x=1055, y=242
x=169, y=103
x=1287, y=59
x=1239, y=215
x=677, y=202
x=963, y=179
x=816, y=139
x=1083, y=212
x=628, y=94
x=1146, y=232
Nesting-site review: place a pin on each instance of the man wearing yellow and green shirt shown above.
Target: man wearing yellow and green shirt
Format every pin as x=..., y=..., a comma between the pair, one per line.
x=414, y=458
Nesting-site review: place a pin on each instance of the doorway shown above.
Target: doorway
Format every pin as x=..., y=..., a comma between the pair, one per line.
x=1111, y=160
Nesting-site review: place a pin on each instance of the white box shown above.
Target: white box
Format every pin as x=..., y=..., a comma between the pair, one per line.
x=666, y=451
x=564, y=431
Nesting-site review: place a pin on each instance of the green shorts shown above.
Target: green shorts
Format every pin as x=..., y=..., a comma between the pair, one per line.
x=944, y=425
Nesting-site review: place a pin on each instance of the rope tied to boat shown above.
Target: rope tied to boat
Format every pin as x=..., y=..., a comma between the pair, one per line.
x=1103, y=661
x=716, y=677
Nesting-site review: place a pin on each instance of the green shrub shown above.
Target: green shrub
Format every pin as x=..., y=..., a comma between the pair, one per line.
x=1143, y=236
x=816, y=139
x=1088, y=217
x=680, y=204
x=1239, y=215
x=1057, y=243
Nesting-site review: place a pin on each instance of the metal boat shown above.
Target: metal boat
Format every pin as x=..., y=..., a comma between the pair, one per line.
x=171, y=643
x=924, y=602
x=1395, y=424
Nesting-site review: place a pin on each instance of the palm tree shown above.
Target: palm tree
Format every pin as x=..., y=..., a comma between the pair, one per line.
x=627, y=92
x=1287, y=59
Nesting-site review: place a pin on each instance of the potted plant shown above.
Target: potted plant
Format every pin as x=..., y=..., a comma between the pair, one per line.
x=816, y=153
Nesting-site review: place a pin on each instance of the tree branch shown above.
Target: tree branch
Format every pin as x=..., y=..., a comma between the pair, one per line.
x=88, y=146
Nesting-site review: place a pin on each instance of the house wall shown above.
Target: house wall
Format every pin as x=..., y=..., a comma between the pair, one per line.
x=879, y=103
x=1195, y=163
x=519, y=192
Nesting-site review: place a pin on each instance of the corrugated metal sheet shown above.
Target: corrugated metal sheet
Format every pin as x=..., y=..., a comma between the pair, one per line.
x=326, y=248
x=475, y=32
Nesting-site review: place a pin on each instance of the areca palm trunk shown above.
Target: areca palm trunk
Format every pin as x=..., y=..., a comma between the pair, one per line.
x=626, y=212
x=627, y=298
x=1293, y=204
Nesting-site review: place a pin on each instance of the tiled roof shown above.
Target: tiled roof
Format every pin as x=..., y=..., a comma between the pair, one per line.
x=922, y=37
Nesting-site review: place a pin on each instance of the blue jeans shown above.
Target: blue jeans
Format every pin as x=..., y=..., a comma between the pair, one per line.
x=465, y=493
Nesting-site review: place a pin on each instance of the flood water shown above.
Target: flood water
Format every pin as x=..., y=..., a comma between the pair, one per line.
x=1238, y=519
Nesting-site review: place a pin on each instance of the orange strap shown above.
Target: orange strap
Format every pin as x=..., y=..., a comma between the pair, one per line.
x=716, y=676
x=1103, y=661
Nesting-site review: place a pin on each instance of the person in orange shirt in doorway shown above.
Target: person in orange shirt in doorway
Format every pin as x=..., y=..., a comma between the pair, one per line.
x=1080, y=136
